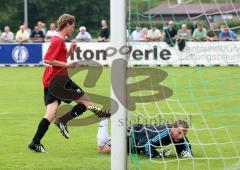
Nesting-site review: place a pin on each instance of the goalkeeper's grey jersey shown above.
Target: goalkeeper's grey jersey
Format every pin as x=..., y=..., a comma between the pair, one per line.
x=148, y=137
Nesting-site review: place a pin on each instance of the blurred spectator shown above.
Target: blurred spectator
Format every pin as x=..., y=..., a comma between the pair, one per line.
x=25, y=24
x=68, y=39
x=37, y=35
x=136, y=34
x=7, y=35
x=226, y=34
x=165, y=26
x=143, y=37
x=170, y=34
x=104, y=33
x=83, y=35
x=212, y=34
x=200, y=33
x=51, y=32
x=184, y=33
x=154, y=34
x=22, y=35
x=193, y=26
x=171, y=37
x=42, y=26
x=39, y=24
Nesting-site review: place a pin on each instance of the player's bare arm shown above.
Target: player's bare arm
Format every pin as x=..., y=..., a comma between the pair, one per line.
x=60, y=63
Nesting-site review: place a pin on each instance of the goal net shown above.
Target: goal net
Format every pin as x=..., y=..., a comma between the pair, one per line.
x=199, y=84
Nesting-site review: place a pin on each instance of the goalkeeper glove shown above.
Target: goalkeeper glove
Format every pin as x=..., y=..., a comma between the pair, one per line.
x=164, y=153
x=186, y=154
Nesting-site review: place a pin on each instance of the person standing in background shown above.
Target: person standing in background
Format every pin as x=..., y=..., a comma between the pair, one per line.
x=7, y=36
x=104, y=33
x=51, y=32
x=22, y=35
x=83, y=35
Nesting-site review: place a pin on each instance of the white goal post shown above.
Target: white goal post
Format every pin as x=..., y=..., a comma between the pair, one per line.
x=118, y=120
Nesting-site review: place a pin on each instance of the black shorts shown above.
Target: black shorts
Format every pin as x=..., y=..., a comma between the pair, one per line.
x=49, y=98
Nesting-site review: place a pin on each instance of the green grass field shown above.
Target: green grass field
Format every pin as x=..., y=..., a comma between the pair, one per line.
x=210, y=95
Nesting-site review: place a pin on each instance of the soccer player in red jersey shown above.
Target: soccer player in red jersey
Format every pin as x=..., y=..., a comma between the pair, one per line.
x=56, y=60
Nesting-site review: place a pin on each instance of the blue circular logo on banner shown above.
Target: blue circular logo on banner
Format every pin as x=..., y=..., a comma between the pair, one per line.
x=20, y=54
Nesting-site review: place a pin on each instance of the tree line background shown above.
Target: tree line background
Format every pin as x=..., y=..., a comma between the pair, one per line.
x=87, y=12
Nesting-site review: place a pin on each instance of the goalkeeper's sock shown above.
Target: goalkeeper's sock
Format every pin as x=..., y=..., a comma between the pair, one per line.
x=104, y=123
x=103, y=135
x=42, y=129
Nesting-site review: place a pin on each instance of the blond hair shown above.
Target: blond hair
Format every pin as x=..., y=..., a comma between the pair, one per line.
x=180, y=123
x=65, y=19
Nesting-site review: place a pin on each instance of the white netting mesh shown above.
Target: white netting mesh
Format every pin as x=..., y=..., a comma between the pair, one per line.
x=206, y=97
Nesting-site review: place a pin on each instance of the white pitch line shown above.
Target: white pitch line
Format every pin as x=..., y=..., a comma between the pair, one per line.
x=200, y=158
x=168, y=113
x=185, y=113
x=235, y=166
x=171, y=100
x=4, y=113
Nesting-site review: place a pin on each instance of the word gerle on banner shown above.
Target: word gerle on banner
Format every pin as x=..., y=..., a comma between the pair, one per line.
x=159, y=53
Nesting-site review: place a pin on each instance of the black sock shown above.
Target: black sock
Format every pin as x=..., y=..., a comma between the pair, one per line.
x=76, y=111
x=42, y=129
x=65, y=118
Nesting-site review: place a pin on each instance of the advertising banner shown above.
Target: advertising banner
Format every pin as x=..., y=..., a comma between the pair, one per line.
x=20, y=54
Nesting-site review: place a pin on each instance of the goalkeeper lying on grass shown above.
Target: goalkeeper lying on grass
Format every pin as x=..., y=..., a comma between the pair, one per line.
x=148, y=138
